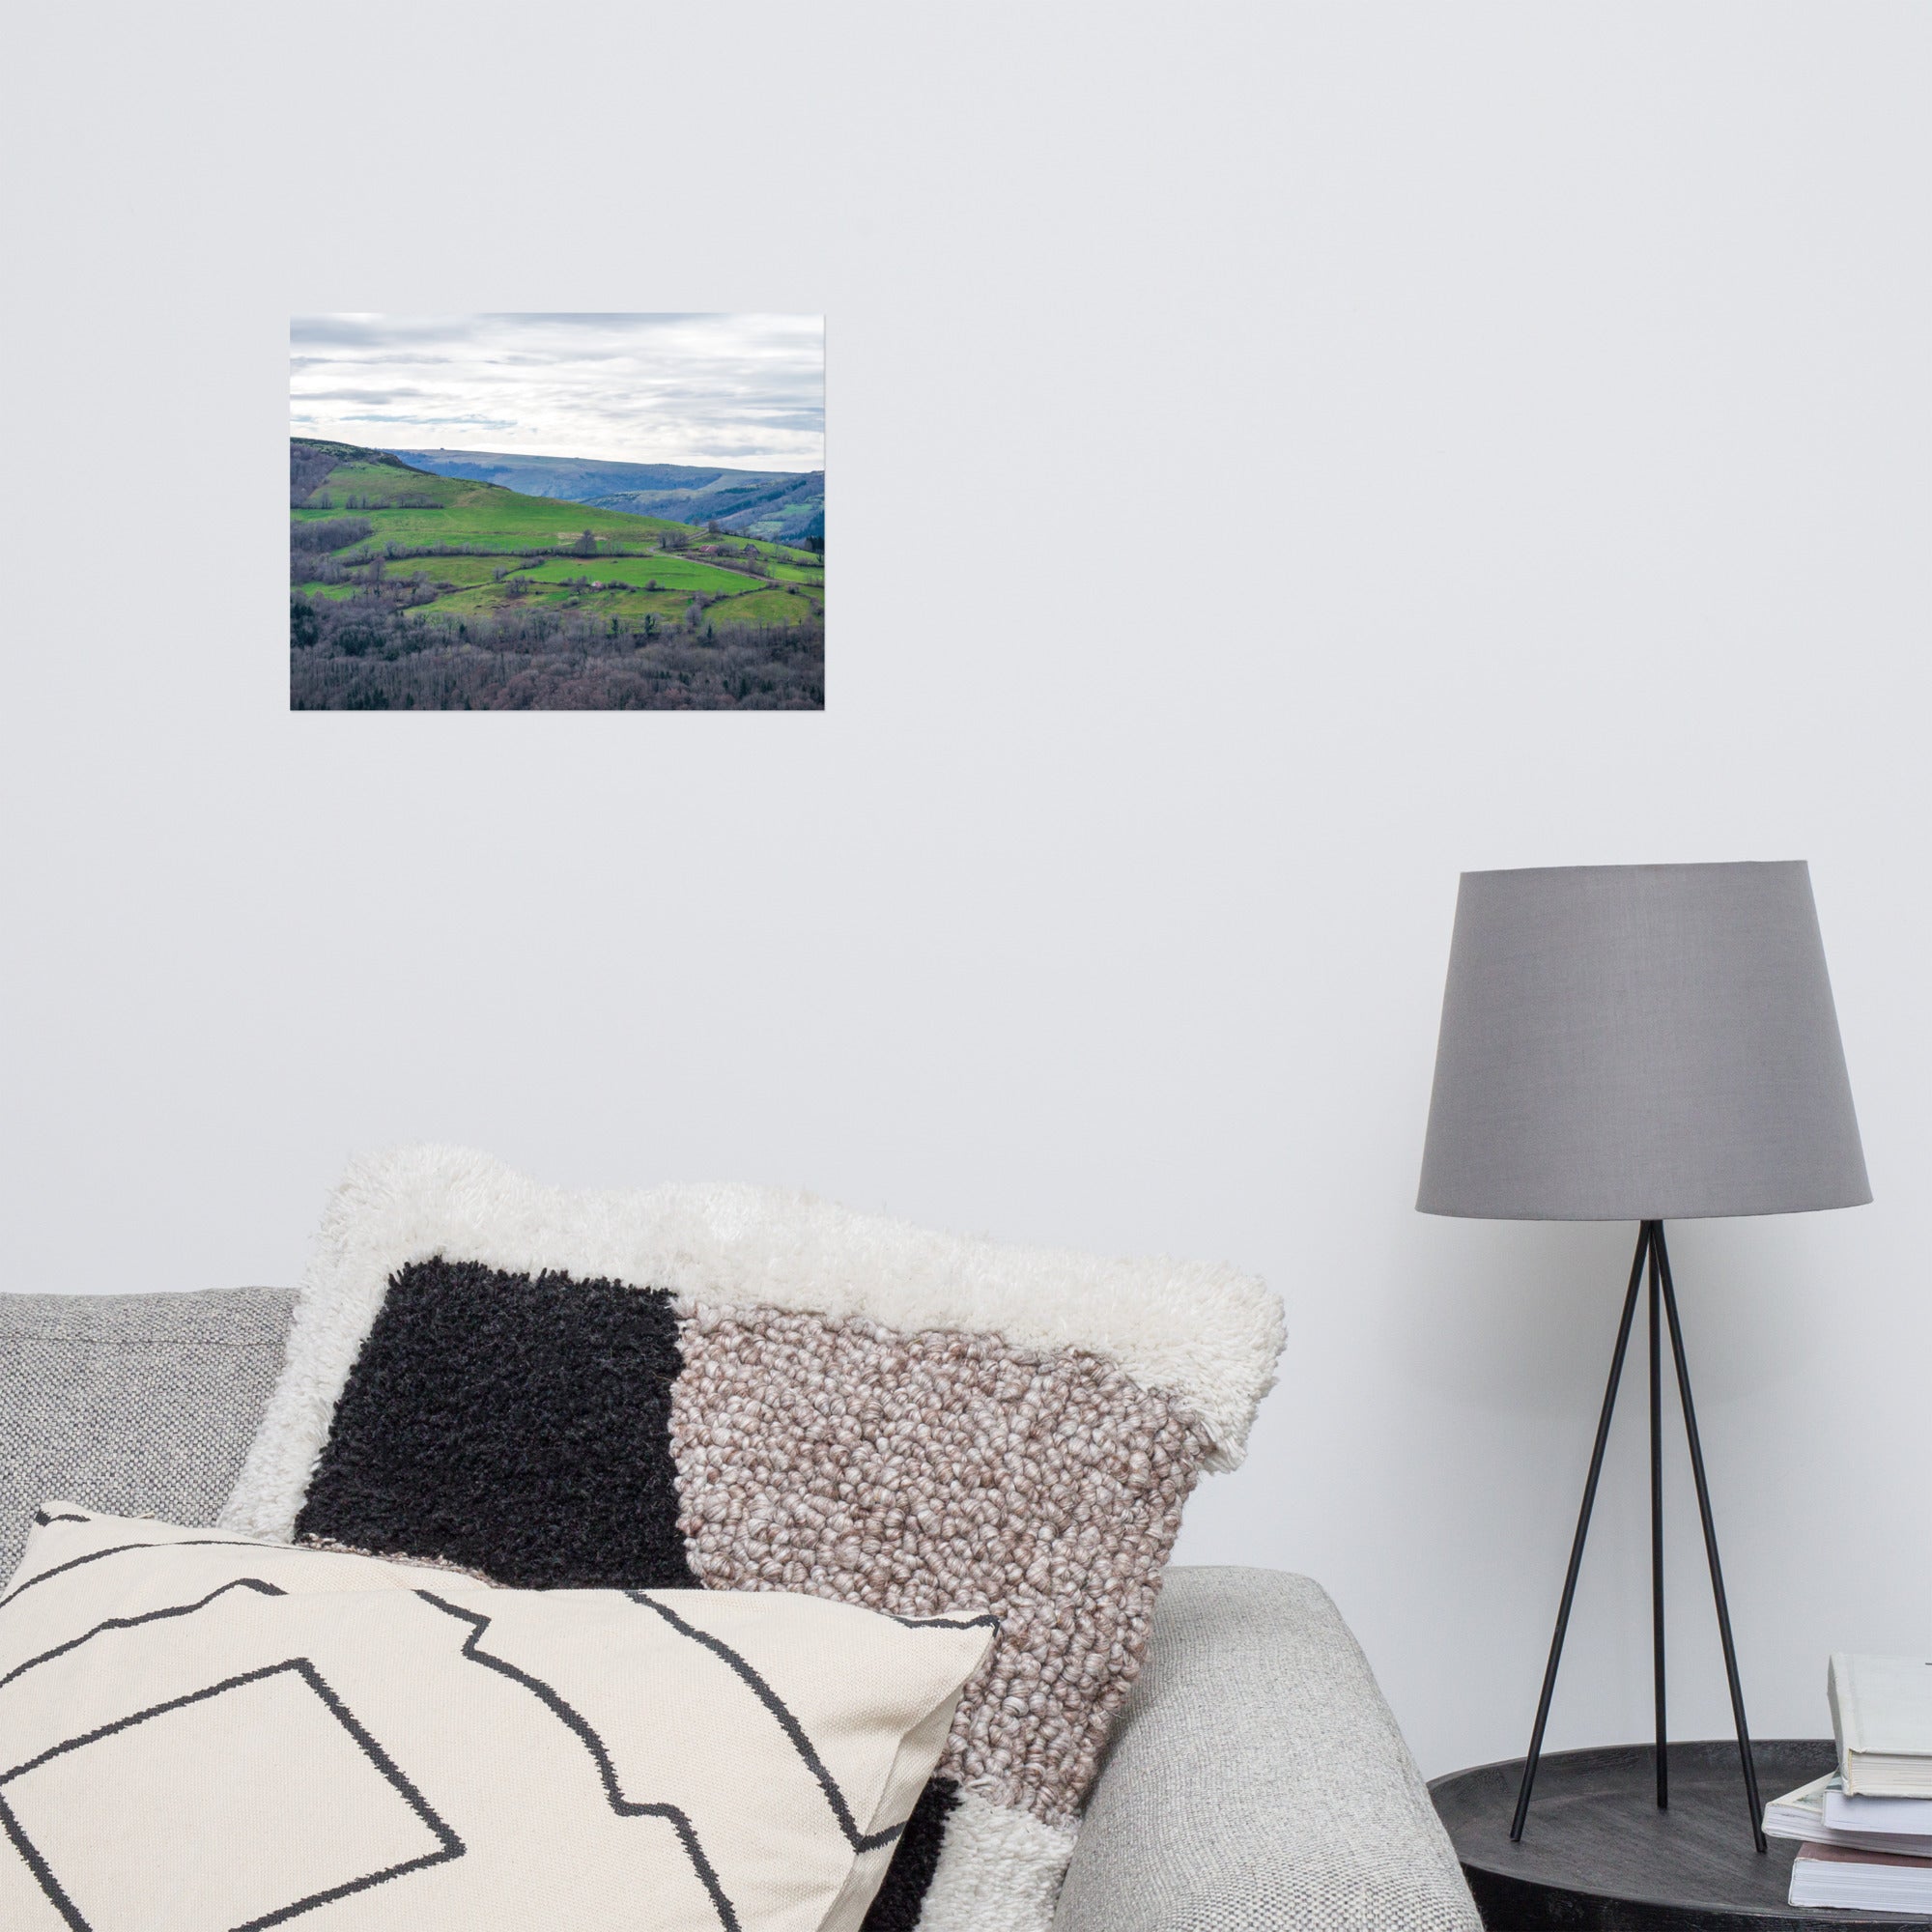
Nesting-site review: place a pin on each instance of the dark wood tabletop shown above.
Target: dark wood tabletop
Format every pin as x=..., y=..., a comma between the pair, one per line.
x=1597, y=1856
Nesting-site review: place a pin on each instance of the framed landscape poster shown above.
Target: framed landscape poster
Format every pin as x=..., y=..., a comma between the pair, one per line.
x=557, y=512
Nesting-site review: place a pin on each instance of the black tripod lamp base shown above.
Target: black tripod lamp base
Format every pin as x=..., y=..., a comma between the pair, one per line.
x=1653, y=1258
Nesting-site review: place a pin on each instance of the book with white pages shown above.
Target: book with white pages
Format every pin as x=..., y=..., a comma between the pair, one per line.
x=1836, y=1875
x=1806, y=1814
x=1900, y=1818
x=1882, y=1718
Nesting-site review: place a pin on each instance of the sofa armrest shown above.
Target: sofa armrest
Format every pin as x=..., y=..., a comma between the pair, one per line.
x=1257, y=1780
x=138, y=1405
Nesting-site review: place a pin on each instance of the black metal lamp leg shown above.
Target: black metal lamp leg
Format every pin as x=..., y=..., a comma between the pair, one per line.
x=1710, y=1541
x=1643, y=1243
x=1656, y=1517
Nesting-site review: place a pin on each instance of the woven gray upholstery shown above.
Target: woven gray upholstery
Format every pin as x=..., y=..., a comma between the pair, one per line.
x=1256, y=1780
x=138, y=1405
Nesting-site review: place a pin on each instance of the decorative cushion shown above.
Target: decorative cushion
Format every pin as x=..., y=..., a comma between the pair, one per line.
x=200, y=1733
x=143, y=1404
x=751, y=1390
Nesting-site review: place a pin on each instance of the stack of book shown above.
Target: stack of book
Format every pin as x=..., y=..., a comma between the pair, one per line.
x=1865, y=1829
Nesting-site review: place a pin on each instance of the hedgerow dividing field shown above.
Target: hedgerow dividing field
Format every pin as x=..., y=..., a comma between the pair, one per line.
x=497, y=596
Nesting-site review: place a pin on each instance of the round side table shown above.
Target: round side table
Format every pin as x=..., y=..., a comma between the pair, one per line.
x=1597, y=1856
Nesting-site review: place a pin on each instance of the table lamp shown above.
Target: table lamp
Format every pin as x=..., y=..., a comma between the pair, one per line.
x=1640, y=1043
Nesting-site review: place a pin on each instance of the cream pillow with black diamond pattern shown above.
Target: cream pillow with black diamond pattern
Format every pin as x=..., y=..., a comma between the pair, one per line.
x=202, y=1733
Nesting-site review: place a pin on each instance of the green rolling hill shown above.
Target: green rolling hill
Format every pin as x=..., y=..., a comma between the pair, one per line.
x=391, y=564
x=783, y=505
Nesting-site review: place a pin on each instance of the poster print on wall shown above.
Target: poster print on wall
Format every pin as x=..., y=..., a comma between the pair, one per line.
x=557, y=512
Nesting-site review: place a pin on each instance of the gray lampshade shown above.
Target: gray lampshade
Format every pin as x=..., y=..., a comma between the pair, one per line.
x=1639, y=1042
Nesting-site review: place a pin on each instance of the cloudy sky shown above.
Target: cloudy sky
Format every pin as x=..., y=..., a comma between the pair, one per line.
x=746, y=390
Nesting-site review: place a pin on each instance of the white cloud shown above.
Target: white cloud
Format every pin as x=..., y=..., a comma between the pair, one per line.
x=746, y=390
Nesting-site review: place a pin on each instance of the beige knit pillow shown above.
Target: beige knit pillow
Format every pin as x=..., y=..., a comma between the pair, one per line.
x=200, y=1733
x=750, y=1389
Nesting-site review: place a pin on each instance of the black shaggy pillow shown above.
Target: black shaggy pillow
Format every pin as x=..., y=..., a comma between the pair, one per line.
x=514, y=1425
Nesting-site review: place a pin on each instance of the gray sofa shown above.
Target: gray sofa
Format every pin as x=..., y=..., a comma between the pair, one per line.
x=1256, y=1779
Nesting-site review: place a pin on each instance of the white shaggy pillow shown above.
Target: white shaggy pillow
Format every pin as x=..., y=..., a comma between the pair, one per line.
x=200, y=1733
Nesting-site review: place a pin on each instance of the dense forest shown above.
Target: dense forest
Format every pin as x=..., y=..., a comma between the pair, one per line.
x=409, y=591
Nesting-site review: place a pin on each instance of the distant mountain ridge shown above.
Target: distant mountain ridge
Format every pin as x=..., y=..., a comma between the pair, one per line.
x=783, y=505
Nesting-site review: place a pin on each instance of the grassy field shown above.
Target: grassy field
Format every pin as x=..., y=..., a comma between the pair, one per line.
x=467, y=512
x=407, y=509
x=458, y=572
x=668, y=572
x=757, y=609
x=772, y=553
x=765, y=606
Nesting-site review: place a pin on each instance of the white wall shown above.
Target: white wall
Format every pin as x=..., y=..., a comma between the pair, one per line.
x=1281, y=456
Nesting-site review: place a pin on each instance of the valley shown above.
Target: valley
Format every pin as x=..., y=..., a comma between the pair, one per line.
x=412, y=590
x=788, y=506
